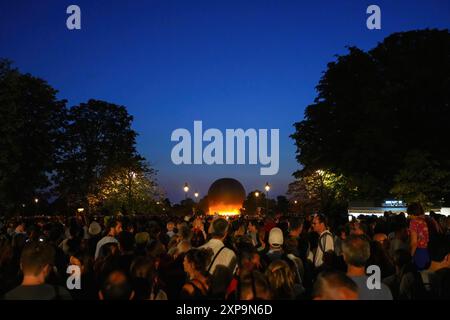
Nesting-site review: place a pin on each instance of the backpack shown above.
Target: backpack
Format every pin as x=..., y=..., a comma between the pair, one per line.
x=322, y=244
x=220, y=279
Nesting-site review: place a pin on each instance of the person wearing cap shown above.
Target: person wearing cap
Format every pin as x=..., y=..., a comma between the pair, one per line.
x=94, y=232
x=94, y=229
x=276, y=241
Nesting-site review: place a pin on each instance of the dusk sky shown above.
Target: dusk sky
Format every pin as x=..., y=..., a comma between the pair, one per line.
x=232, y=64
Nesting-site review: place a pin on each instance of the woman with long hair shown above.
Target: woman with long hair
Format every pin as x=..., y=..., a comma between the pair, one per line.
x=145, y=280
x=195, y=264
x=282, y=281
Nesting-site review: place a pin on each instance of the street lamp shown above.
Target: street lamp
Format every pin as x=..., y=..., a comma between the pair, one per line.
x=194, y=207
x=186, y=190
x=36, y=201
x=256, y=193
x=267, y=188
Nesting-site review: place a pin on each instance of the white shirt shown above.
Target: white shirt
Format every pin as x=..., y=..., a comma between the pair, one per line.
x=326, y=243
x=225, y=258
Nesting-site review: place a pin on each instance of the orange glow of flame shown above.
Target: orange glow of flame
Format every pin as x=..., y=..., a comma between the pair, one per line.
x=225, y=209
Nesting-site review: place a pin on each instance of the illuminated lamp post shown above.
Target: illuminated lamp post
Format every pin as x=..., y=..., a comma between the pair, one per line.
x=267, y=188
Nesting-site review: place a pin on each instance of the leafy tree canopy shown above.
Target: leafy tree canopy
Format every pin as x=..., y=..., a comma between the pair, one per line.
x=374, y=108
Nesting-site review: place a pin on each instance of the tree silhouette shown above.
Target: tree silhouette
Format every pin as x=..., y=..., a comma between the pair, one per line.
x=30, y=130
x=99, y=147
x=373, y=108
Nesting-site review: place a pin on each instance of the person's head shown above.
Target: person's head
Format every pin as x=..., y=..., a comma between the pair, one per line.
x=170, y=226
x=37, y=260
x=252, y=226
x=341, y=232
x=291, y=246
x=183, y=247
x=333, y=285
x=439, y=249
x=248, y=257
x=116, y=287
x=197, y=224
x=276, y=238
x=143, y=267
x=114, y=227
x=219, y=228
x=400, y=227
x=447, y=223
x=20, y=228
x=356, y=251
x=240, y=231
x=94, y=228
x=108, y=250
x=82, y=260
x=380, y=238
x=143, y=276
x=357, y=228
x=185, y=232
x=281, y=279
x=142, y=239
x=295, y=227
x=415, y=209
x=196, y=261
x=180, y=225
x=157, y=249
x=319, y=223
x=254, y=286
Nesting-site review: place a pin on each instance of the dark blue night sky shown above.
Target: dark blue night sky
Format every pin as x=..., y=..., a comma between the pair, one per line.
x=231, y=64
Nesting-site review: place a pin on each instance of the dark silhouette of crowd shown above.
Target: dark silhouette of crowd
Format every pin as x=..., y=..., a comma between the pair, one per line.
x=275, y=257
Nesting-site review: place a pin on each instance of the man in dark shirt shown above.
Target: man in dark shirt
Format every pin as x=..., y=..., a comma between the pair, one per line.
x=37, y=262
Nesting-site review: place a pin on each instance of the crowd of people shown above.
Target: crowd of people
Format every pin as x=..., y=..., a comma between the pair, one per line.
x=237, y=258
